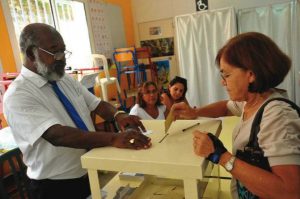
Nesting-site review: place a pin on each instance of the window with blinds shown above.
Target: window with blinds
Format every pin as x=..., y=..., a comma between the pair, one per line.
x=66, y=16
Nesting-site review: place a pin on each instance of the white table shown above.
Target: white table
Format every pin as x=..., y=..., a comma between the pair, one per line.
x=172, y=158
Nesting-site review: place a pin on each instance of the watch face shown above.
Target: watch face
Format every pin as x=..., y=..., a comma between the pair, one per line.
x=228, y=166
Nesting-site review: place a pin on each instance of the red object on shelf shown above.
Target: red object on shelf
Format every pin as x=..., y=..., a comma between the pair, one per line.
x=5, y=83
x=8, y=76
x=81, y=70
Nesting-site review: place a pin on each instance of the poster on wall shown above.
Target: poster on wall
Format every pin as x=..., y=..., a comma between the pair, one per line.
x=160, y=47
x=163, y=73
x=155, y=31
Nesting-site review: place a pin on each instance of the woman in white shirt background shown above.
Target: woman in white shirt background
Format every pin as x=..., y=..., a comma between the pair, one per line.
x=148, y=105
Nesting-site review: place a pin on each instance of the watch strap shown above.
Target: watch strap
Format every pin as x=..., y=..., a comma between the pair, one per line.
x=219, y=149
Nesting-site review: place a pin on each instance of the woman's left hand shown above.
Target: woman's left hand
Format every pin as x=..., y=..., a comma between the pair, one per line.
x=203, y=146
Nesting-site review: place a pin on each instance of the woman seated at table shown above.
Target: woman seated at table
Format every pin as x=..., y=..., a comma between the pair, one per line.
x=149, y=106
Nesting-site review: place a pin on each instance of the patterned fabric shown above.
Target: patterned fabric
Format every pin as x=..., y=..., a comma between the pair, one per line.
x=243, y=192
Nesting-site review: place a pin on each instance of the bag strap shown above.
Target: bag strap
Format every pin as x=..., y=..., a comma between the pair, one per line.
x=255, y=128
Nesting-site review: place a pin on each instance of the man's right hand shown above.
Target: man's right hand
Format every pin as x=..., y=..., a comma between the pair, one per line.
x=182, y=110
x=132, y=139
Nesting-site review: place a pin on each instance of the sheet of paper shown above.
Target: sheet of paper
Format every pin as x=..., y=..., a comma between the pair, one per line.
x=168, y=121
x=148, y=132
x=89, y=80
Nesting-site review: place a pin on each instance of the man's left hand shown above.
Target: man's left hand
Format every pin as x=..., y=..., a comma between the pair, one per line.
x=131, y=139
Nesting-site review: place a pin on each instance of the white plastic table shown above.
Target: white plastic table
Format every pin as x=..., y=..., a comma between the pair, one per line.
x=172, y=158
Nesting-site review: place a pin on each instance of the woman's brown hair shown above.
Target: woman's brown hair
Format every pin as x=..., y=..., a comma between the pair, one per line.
x=256, y=52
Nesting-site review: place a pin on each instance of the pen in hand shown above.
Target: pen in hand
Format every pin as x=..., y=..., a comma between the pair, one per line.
x=183, y=130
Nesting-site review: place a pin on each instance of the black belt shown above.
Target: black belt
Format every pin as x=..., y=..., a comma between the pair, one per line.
x=61, y=180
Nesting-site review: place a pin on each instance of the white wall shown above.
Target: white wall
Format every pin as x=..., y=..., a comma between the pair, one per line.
x=116, y=25
x=151, y=10
x=152, y=13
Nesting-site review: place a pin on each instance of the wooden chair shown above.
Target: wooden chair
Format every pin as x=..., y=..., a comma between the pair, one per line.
x=15, y=183
x=144, y=55
x=126, y=63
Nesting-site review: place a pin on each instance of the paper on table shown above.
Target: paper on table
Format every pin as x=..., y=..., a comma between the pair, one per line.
x=131, y=176
x=169, y=120
x=148, y=132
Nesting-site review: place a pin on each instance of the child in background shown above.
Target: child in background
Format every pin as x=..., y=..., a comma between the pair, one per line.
x=176, y=92
x=148, y=105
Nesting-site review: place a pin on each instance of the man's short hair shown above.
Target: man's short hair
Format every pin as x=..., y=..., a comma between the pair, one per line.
x=31, y=35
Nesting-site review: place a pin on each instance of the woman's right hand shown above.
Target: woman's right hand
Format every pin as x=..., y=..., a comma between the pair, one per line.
x=203, y=146
x=182, y=110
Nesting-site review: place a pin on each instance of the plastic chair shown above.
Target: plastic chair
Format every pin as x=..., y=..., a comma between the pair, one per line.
x=15, y=183
x=144, y=54
x=104, y=82
x=126, y=63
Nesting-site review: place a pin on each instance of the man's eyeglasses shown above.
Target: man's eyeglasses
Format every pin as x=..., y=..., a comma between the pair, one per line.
x=59, y=55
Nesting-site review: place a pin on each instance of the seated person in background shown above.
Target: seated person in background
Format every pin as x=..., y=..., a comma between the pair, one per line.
x=175, y=93
x=51, y=137
x=149, y=106
x=251, y=66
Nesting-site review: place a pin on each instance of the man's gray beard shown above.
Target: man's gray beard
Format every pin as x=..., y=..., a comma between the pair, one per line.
x=45, y=72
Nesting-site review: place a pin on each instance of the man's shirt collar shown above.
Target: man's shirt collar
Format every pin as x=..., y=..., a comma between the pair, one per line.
x=35, y=78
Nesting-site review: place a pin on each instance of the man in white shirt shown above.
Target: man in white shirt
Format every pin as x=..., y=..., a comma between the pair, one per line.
x=48, y=137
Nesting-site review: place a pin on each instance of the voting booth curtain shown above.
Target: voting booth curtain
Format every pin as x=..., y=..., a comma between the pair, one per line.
x=199, y=36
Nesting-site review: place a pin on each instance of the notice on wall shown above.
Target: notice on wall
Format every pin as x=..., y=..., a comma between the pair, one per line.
x=154, y=31
x=201, y=5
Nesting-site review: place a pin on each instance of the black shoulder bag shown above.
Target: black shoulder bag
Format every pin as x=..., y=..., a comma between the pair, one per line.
x=252, y=153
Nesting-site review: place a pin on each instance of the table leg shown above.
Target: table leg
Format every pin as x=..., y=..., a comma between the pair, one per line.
x=94, y=184
x=190, y=189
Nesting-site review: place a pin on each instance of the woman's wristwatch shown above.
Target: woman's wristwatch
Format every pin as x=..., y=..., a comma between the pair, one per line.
x=230, y=164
